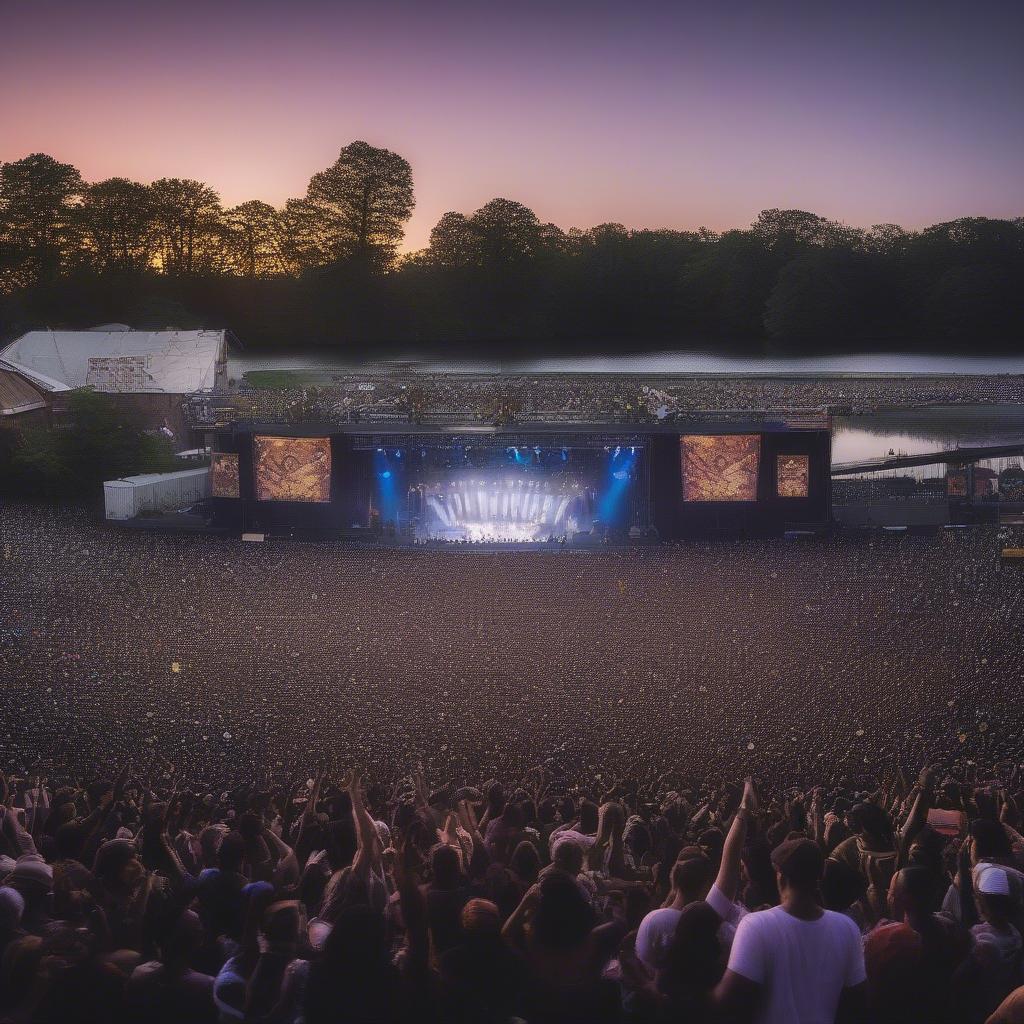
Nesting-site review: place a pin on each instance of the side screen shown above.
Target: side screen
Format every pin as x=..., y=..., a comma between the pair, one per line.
x=224, y=475
x=792, y=475
x=720, y=467
x=293, y=468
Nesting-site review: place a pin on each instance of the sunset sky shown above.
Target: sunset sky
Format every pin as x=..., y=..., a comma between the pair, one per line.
x=670, y=115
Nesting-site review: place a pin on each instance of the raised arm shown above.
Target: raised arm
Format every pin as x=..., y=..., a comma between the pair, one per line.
x=918, y=813
x=729, y=871
x=965, y=885
x=309, y=810
x=368, y=847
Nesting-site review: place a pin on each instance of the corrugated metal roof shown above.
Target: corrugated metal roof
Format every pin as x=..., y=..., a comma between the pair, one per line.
x=168, y=362
x=17, y=395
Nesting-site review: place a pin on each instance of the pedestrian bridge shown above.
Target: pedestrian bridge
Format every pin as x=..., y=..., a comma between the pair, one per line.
x=952, y=456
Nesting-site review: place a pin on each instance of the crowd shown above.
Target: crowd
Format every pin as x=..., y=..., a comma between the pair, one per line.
x=339, y=899
x=404, y=396
x=182, y=840
x=215, y=657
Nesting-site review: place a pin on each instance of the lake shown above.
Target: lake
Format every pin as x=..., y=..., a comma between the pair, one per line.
x=913, y=431
x=654, y=362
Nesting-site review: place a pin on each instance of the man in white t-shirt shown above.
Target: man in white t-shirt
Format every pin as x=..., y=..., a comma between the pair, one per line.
x=793, y=964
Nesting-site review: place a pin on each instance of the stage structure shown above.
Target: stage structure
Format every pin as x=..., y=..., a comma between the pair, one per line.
x=710, y=475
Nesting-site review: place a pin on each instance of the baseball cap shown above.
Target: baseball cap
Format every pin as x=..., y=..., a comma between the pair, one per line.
x=992, y=880
x=800, y=861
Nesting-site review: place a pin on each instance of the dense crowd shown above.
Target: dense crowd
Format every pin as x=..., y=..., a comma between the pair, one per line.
x=214, y=657
x=337, y=899
x=403, y=396
x=545, y=823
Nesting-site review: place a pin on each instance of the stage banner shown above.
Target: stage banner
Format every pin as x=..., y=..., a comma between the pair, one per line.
x=792, y=476
x=224, y=475
x=720, y=467
x=293, y=468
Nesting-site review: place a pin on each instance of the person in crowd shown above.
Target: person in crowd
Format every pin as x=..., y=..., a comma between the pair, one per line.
x=796, y=962
x=539, y=898
x=169, y=990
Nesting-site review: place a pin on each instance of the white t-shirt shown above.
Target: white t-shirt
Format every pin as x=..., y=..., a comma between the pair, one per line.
x=803, y=965
x=729, y=911
x=657, y=930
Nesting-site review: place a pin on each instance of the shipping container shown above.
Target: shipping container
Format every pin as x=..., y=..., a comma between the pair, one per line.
x=132, y=496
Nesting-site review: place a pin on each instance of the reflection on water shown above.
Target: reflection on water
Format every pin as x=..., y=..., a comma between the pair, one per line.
x=650, y=362
x=913, y=431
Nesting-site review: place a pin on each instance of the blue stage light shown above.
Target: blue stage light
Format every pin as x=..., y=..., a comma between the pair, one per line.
x=612, y=506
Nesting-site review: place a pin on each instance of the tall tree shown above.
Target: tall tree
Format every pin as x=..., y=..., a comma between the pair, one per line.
x=116, y=218
x=306, y=236
x=38, y=196
x=366, y=196
x=189, y=226
x=254, y=239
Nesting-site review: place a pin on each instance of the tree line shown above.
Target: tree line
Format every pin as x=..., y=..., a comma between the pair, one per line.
x=325, y=270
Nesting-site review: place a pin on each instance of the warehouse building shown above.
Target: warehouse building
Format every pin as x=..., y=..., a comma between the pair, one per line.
x=150, y=372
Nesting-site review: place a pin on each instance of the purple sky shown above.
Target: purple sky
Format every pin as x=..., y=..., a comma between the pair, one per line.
x=676, y=115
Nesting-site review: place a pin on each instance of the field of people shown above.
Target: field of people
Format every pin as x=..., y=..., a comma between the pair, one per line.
x=182, y=655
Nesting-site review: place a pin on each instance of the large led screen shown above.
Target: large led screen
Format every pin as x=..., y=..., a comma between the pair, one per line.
x=224, y=475
x=293, y=468
x=720, y=467
x=792, y=475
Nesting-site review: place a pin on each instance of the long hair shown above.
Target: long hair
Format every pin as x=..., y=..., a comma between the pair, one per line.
x=610, y=824
x=694, y=961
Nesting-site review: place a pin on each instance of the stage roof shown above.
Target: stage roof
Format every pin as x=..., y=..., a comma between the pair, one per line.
x=115, y=360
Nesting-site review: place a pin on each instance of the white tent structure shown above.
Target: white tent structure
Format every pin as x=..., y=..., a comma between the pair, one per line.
x=117, y=360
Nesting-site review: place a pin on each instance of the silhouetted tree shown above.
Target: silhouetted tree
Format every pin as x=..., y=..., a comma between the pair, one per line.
x=38, y=197
x=366, y=197
x=307, y=236
x=454, y=242
x=507, y=231
x=254, y=240
x=189, y=228
x=117, y=228
x=887, y=240
x=324, y=270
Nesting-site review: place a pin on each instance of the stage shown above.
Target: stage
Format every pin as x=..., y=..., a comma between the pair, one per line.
x=545, y=485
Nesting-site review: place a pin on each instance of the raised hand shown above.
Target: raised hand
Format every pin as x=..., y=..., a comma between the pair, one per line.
x=749, y=799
